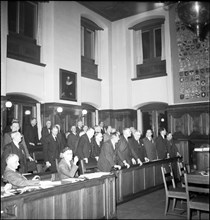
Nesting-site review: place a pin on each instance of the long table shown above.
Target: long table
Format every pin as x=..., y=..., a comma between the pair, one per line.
x=89, y=199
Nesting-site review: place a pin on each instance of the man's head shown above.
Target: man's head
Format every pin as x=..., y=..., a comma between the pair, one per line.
x=48, y=124
x=16, y=136
x=33, y=122
x=12, y=161
x=169, y=136
x=67, y=153
x=55, y=130
x=98, y=136
x=137, y=135
x=149, y=133
x=162, y=131
x=109, y=129
x=127, y=132
x=90, y=132
x=15, y=126
x=73, y=129
x=79, y=124
x=115, y=136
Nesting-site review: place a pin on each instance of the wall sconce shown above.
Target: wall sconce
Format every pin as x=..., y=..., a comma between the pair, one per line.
x=59, y=109
x=84, y=112
x=195, y=15
x=27, y=112
x=8, y=104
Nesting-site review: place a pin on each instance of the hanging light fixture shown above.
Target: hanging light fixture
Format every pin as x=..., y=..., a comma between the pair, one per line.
x=195, y=15
x=8, y=104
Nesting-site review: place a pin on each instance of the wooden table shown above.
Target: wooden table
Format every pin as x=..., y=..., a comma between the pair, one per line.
x=202, y=182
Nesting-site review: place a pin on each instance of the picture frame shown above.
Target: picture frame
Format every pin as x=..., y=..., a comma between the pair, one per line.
x=68, y=85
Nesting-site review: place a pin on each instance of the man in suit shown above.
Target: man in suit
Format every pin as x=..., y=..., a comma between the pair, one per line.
x=45, y=131
x=15, y=148
x=67, y=167
x=108, y=155
x=150, y=145
x=124, y=151
x=31, y=134
x=96, y=145
x=138, y=146
x=84, y=145
x=79, y=127
x=15, y=178
x=51, y=149
x=72, y=139
x=15, y=126
x=161, y=144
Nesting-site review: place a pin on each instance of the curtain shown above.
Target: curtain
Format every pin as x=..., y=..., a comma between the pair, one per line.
x=139, y=48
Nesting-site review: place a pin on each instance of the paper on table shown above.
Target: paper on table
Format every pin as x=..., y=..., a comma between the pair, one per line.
x=94, y=175
x=47, y=184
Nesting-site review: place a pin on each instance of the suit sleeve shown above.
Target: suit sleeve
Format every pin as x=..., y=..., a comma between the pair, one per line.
x=63, y=169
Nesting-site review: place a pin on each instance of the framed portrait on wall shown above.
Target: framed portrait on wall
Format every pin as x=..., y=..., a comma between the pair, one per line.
x=68, y=87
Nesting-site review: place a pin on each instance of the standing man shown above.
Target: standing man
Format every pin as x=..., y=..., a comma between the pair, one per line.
x=96, y=145
x=46, y=131
x=150, y=145
x=72, y=139
x=161, y=144
x=31, y=134
x=84, y=145
x=125, y=153
x=79, y=127
x=14, y=147
x=138, y=146
x=108, y=155
x=51, y=149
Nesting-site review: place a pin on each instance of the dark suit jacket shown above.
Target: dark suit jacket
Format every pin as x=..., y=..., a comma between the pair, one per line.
x=11, y=148
x=51, y=151
x=138, y=148
x=72, y=142
x=124, y=151
x=150, y=148
x=45, y=132
x=31, y=134
x=8, y=139
x=96, y=149
x=107, y=158
x=172, y=148
x=66, y=171
x=16, y=179
x=78, y=130
x=161, y=147
x=83, y=147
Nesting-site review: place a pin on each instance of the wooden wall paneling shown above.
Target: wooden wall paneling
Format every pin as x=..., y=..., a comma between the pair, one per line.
x=158, y=175
x=138, y=180
x=149, y=177
x=205, y=123
x=183, y=148
x=127, y=186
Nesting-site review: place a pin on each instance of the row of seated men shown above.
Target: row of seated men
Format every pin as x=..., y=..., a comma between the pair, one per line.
x=113, y=153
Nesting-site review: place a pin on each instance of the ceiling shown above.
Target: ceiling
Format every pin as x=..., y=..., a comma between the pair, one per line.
x=116, y=10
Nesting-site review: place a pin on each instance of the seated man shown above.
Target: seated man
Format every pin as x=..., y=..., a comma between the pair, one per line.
x=67, y=167
x=15, y=178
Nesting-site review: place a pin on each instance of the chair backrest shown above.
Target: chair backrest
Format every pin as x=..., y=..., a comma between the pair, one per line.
x=38, y=156
x=181, y=168
x=168, y=176
x=90, y=167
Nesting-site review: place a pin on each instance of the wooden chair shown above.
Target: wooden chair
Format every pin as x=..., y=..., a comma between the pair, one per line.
x=181, y=170
x=90, y=167
x=199, y=202
x=171, y=190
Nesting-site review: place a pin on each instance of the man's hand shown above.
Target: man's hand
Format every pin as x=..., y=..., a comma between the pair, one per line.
x=85, y=159
x=97, y=157
x=31, y=143
x=146, y=159
x=117, y=167
x=126, y=164
x=48, y=164
x=30, y=158
x=76, y=159
x=133, y=161
x=139, y=162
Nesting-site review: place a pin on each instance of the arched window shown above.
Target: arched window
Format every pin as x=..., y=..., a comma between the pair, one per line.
x=149, y=48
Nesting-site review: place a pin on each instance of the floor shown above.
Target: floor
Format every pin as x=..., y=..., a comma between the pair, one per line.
x=152, y=206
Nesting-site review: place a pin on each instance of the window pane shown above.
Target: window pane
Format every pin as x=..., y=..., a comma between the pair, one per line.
x=29, y=19
x=12, y=15
x=88, y=43
x=158, y=43
x=146, y=44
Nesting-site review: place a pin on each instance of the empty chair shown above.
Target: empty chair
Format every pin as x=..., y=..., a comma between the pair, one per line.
x=199, y=202
x=171, y=190
x=181, y=169
x=90, y=167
